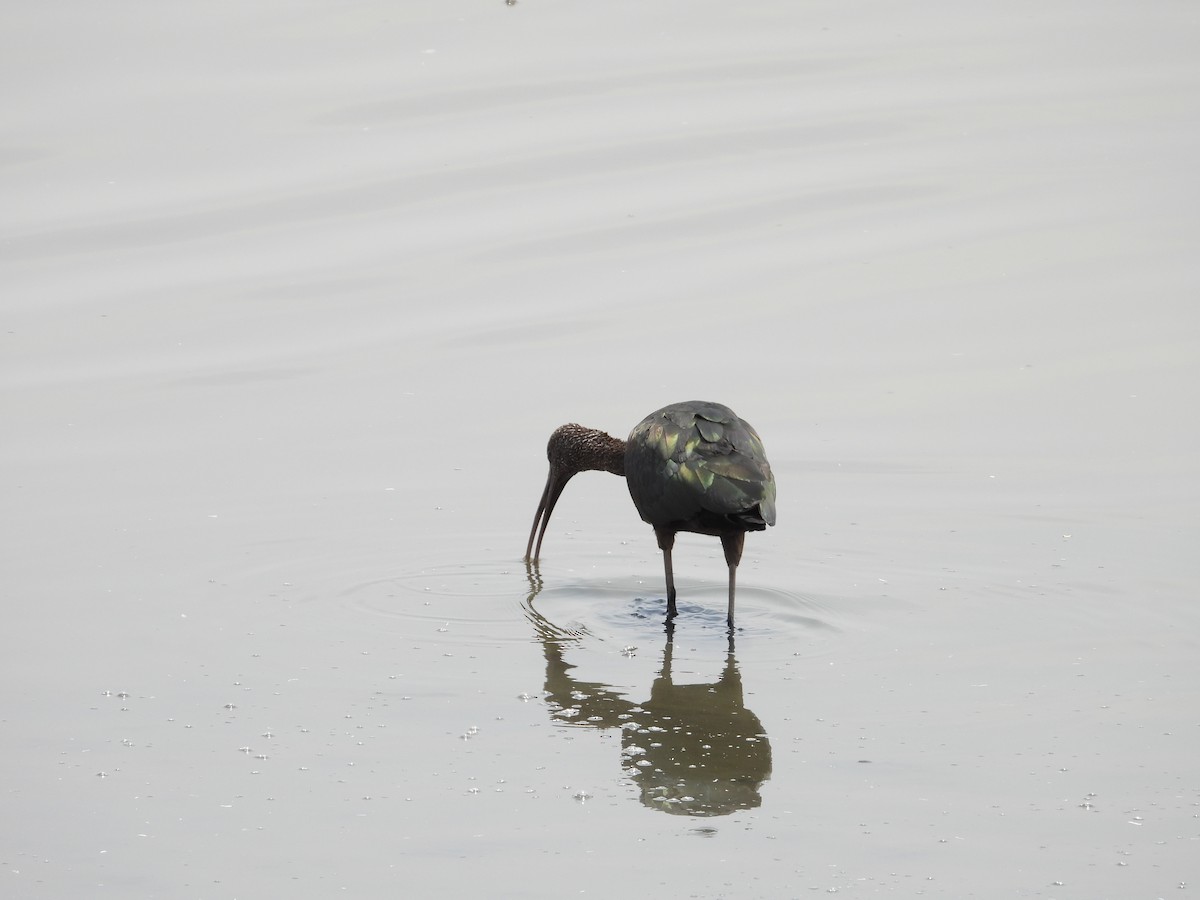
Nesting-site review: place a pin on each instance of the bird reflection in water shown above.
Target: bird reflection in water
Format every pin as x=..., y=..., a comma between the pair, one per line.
x=691, y=749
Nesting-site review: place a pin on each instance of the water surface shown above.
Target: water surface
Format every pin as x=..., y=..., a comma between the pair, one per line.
x=292, y=298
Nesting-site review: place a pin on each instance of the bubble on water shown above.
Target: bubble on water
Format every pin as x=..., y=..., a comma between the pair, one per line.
x=583, y=796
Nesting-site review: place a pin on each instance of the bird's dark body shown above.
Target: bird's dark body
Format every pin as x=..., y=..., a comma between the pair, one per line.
x=697, y=467
x=691, y=466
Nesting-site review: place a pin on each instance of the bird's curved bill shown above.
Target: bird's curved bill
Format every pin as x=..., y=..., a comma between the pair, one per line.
x=555, y=482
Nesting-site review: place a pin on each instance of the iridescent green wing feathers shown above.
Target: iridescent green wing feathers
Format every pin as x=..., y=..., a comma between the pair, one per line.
x=699, y=465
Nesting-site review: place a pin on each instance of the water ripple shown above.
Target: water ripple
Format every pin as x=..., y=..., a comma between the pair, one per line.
x=487, y=602
x=623, y=613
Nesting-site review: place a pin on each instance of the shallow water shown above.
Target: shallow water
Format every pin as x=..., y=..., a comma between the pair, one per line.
x=292, y=298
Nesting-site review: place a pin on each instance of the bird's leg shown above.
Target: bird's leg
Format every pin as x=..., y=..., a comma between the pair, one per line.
x=666, y=540
x=732, y=543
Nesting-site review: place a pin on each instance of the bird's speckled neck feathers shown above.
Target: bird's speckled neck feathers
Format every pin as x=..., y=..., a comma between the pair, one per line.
x=574, y=448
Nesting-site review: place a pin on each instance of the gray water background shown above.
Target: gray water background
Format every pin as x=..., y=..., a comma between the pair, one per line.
x=292, y=295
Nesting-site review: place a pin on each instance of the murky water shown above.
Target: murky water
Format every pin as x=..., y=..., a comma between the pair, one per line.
x=292, y=299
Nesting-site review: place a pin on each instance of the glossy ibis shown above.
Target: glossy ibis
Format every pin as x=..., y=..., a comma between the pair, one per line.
x=691, y=466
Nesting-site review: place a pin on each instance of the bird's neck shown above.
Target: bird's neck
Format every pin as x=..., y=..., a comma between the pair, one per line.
x=604, y=453
x=579, y=449
x=614, y=456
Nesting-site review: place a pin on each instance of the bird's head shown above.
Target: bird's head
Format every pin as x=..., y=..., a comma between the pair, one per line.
x=572, y=449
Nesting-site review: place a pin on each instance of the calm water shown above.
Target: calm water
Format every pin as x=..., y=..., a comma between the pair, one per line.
x=292, y=298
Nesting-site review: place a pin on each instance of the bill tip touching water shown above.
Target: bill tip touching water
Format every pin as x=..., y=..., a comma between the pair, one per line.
x=693, y=466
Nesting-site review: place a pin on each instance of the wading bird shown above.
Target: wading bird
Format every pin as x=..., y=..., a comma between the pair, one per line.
x=691, y=466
